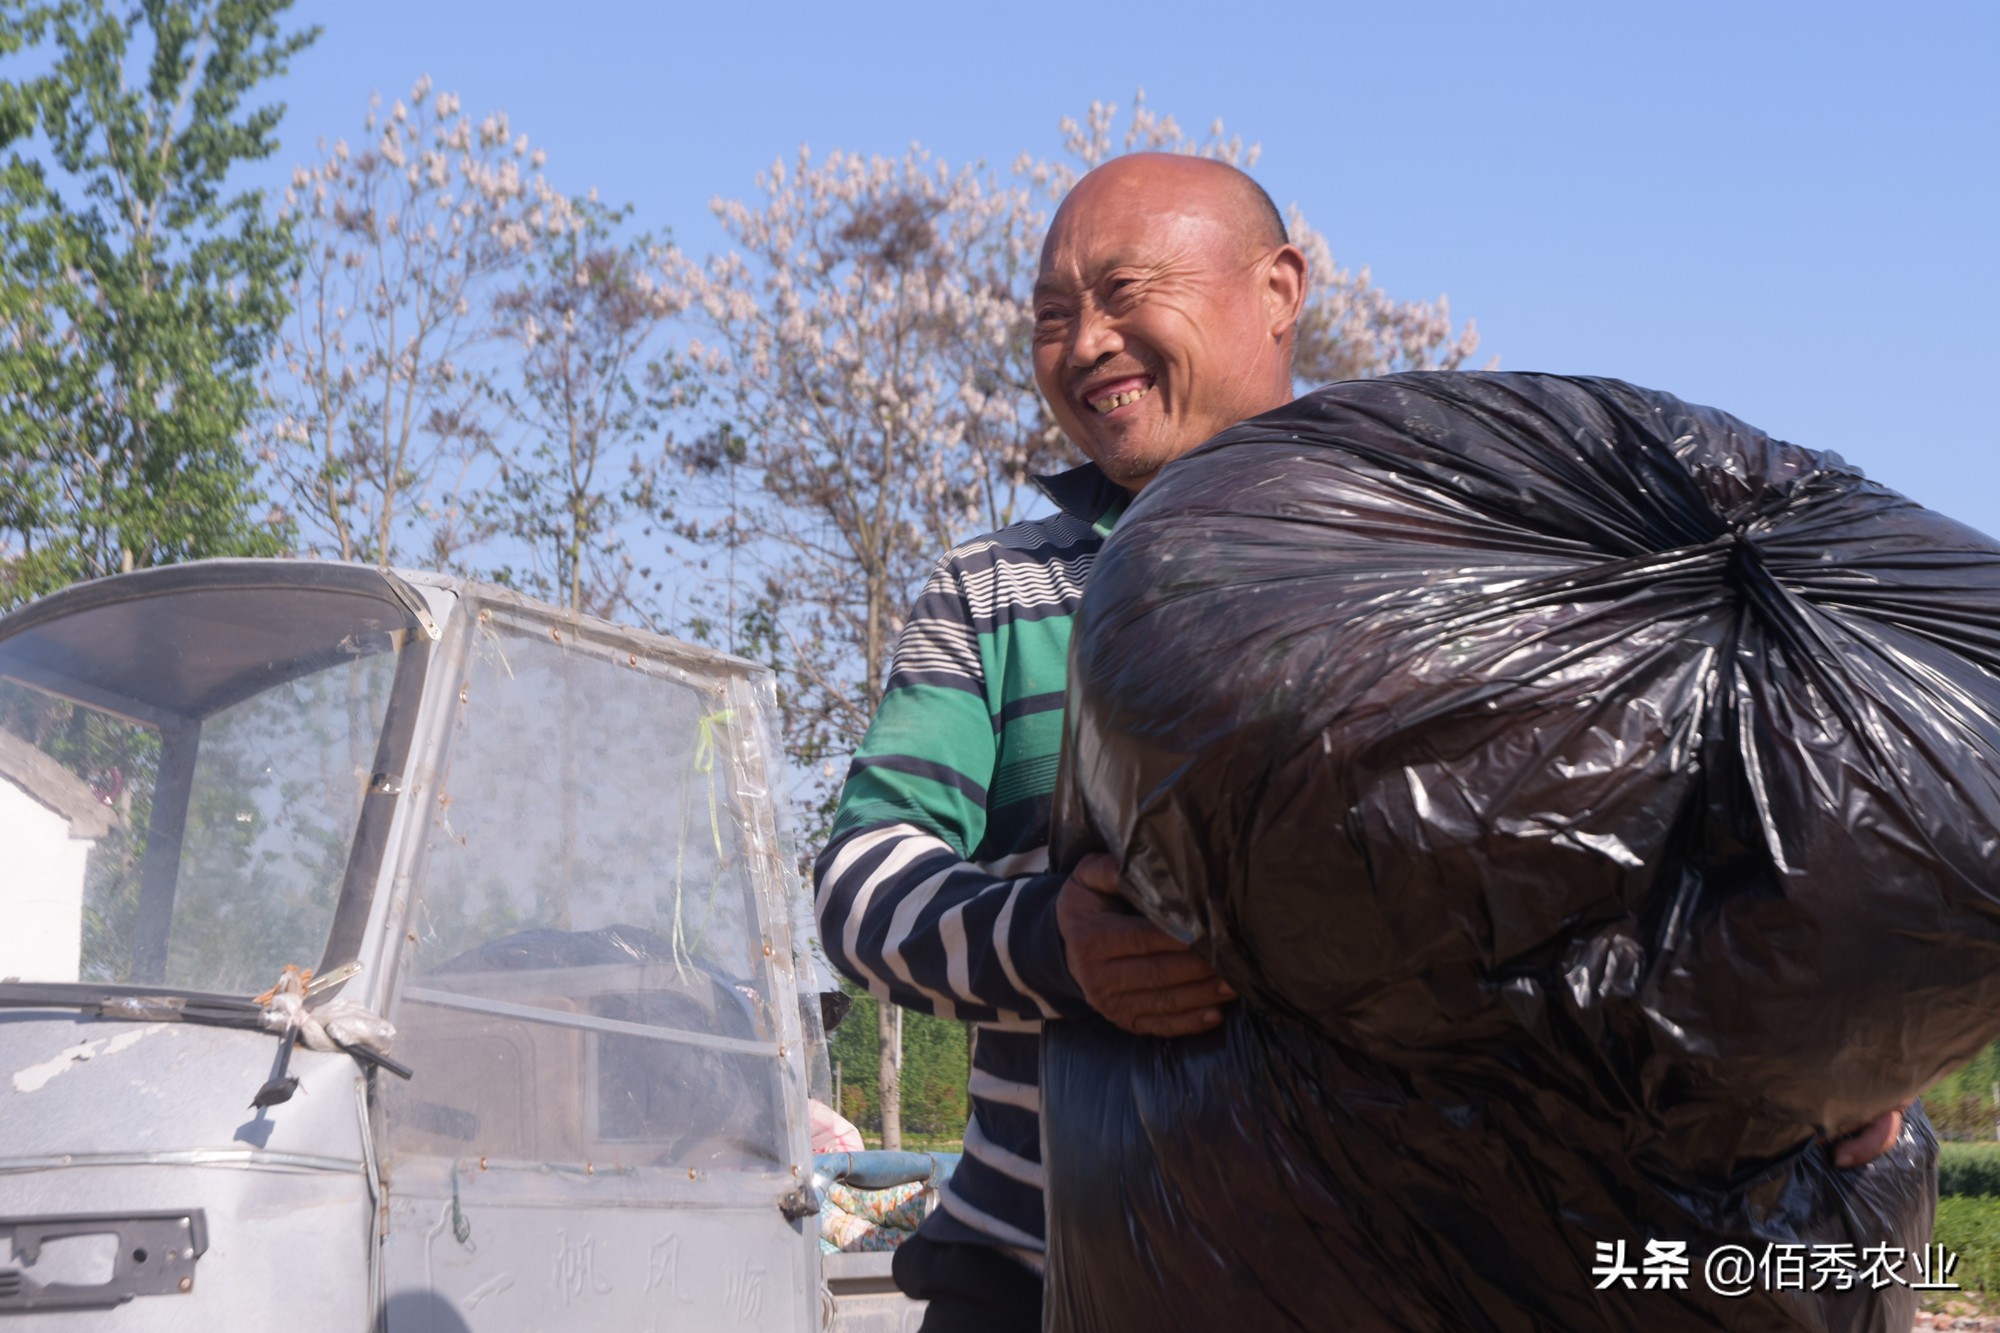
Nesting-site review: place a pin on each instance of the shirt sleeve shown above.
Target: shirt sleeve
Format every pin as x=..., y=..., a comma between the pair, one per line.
x=902, y=908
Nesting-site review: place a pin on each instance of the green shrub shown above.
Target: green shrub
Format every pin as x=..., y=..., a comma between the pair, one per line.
x=1969, y=1169
x=1970, y=1228
x=1965, y=1104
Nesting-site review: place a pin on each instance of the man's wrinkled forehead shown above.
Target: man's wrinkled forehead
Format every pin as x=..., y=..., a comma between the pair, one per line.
x=1098, y=233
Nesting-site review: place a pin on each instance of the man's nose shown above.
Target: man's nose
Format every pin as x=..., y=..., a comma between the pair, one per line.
x=1096, y=338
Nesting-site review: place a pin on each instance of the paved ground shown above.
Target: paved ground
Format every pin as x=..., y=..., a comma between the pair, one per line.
x=1946, y=1323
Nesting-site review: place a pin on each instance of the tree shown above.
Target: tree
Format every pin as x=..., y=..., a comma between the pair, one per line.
x=936, y=1065
x=590, y=390
x=867, y=345
x=867, y=349
x=137, y=294
x=385, y=409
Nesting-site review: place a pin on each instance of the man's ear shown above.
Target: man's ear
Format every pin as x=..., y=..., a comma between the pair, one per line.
x=1285, y=280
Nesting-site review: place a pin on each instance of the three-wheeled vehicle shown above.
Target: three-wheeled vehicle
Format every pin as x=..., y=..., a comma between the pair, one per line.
x=547, y=849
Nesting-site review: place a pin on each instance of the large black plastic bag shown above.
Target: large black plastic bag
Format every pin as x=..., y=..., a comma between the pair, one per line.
x=1594, y=800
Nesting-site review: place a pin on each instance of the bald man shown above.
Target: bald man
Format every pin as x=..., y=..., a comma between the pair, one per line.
x=1165, y=310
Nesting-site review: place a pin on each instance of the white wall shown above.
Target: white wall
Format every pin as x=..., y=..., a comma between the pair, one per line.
x=41, y=890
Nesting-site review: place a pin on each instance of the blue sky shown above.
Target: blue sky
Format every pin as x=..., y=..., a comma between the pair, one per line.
x=1788, y=210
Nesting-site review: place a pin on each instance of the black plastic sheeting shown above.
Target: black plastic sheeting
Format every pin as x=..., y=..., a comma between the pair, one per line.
x=1595, y=802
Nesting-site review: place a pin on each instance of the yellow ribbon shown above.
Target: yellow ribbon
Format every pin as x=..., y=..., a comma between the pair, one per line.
x=705, y=748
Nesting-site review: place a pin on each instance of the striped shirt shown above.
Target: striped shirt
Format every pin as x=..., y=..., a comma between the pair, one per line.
x=935, y=891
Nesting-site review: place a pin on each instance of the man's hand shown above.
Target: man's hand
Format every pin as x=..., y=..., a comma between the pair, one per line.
x=1864, y=1145
x=1131, y=971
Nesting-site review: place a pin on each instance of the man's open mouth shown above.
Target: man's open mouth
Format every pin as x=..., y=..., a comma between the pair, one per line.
x=1117, y=394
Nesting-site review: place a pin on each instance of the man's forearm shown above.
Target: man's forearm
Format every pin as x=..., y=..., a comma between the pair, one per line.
x=904, y=915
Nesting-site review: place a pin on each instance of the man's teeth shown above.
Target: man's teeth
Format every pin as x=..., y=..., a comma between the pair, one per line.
x=1118, y=400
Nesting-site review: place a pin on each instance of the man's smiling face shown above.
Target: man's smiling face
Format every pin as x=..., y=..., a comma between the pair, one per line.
x=1159, y=320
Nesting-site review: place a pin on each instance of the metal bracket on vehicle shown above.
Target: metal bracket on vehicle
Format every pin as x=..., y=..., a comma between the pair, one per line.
x=156, y=1257
x=413, y=602
x=799, y=1203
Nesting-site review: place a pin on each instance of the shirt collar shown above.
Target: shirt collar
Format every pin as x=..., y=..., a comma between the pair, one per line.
x=1084, y=492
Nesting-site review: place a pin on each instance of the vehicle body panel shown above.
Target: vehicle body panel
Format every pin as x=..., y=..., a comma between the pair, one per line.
x=121, y=1117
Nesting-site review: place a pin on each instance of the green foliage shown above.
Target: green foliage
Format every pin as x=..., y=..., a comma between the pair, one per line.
x=1969, y=1169
x=1962, y=1105
x=1970, y=1228
x=935, y=1069
x=1968, y=1215
x=137, y=295
x=1976, y=1078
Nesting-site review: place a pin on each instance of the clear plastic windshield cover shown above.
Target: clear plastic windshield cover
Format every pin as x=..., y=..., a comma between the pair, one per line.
x=790, y=872
x=185, y=783
x=599, y=977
